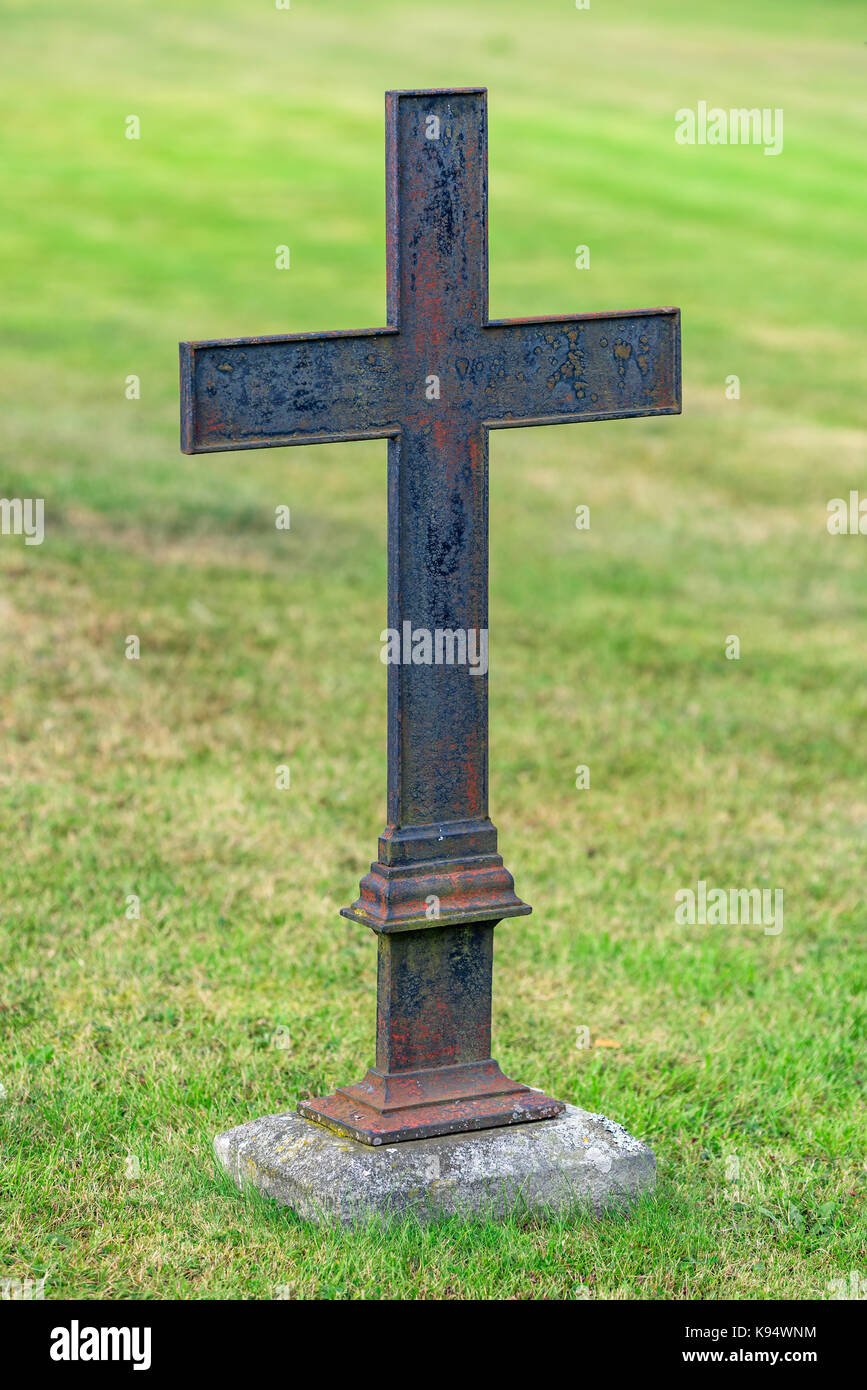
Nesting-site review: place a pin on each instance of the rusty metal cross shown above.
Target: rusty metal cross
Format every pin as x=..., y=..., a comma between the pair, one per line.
x=433, y=382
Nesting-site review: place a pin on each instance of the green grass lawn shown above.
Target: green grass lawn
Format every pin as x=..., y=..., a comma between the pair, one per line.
x=127, y=1043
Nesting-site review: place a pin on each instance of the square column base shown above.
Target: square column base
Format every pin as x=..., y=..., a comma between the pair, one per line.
x=398, y=1106
x=576, y=1160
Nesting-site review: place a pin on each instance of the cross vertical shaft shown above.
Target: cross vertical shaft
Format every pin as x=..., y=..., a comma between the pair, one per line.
x=436, y=163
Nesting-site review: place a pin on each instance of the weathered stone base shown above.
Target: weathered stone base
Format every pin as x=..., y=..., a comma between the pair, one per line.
x=542, y=1166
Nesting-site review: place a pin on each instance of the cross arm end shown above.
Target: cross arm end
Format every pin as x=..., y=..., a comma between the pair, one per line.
x=307, y=388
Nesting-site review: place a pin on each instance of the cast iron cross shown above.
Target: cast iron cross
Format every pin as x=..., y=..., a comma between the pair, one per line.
x=433, y=382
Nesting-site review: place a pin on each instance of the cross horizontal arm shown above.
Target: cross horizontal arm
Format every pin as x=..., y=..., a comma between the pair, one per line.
x=312, y=388
x=590, y=367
